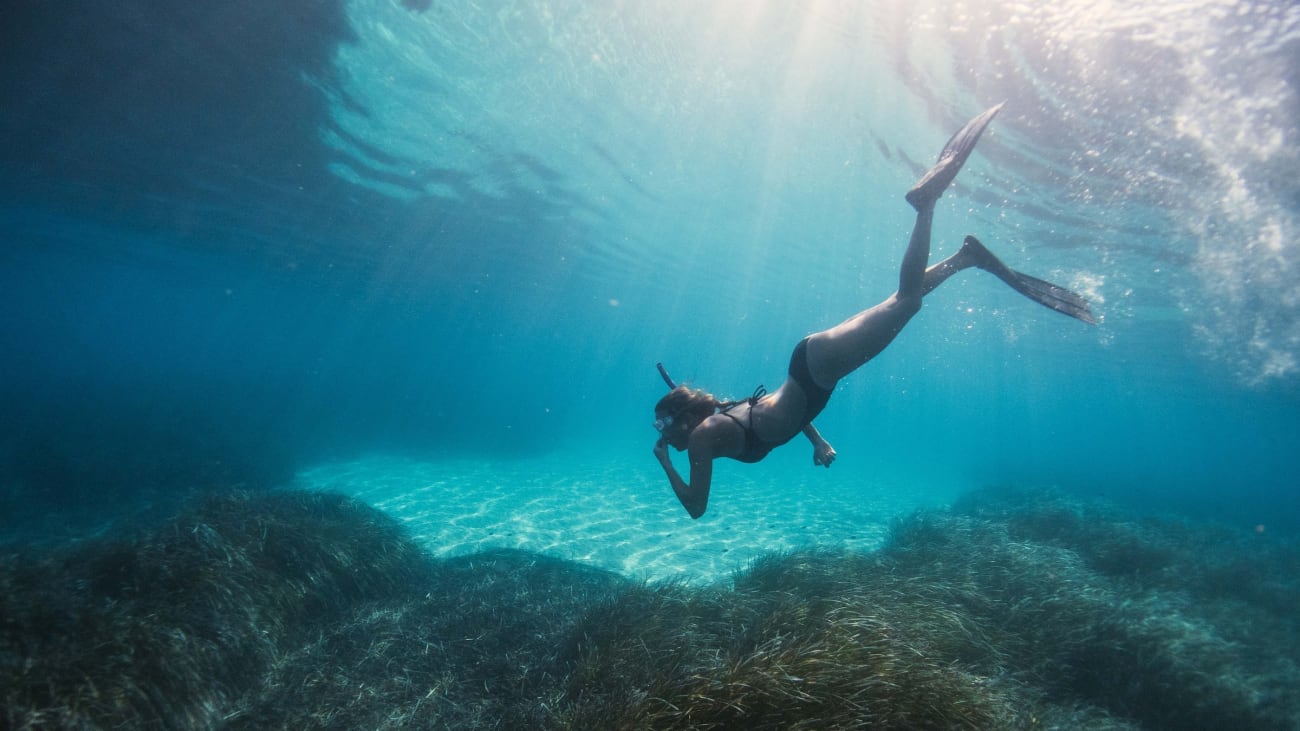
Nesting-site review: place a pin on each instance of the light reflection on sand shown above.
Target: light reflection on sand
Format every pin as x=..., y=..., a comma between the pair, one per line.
x=617, y=516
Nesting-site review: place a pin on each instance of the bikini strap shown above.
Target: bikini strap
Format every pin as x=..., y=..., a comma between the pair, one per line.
x=759, y=393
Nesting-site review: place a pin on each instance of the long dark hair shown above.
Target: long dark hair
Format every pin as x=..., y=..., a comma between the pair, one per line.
x=684, y=402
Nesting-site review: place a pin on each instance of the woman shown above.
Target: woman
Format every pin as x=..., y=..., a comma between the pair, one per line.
x=706, y=428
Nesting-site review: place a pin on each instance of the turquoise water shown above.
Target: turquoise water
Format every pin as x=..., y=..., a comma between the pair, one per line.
x=456, y=229
x=427, y=253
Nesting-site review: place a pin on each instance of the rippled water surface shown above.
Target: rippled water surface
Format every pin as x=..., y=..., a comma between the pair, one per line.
x=242, y=242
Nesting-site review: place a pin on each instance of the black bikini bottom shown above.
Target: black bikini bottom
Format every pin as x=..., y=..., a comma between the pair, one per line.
x=815, y=395
x=756, y=448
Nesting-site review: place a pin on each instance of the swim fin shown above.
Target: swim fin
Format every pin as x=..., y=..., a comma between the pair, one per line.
x=1044, y=293
x=1050, y=295
x=932, y=185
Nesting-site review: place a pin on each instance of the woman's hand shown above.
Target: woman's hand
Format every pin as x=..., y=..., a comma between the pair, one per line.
x=823, y=454
x=661, y=449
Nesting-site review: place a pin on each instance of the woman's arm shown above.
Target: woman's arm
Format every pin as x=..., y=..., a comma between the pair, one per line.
x=823, y=452
x=694, y=496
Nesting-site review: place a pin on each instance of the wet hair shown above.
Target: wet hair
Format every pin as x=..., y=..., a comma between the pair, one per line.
x=682, y=401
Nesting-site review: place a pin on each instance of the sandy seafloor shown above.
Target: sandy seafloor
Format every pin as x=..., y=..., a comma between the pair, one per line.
x=620, y=516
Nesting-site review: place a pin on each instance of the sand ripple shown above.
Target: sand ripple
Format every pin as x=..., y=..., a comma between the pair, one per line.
x=615, y=515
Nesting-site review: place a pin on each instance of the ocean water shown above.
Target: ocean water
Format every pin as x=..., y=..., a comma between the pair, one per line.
x=426, y=254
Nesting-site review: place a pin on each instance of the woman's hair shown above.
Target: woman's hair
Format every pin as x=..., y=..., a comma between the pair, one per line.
x=682, y=401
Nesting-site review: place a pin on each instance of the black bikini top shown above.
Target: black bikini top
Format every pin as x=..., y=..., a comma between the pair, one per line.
x=756, y=448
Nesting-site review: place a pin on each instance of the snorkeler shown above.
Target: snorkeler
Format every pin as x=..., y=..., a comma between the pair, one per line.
x=747, y=430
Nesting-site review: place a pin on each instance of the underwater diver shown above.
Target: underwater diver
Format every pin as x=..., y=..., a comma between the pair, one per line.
x=707, y=428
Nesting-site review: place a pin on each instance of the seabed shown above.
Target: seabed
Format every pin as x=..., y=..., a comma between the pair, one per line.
x=409, y=604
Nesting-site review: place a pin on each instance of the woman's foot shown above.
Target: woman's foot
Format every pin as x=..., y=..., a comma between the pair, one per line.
x=974, y=254
x=959, y=147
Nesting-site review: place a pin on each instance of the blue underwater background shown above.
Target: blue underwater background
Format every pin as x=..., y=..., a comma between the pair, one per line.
x=242, y=240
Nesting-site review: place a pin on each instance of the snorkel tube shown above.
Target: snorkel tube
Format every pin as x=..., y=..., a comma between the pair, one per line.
x=663, y=372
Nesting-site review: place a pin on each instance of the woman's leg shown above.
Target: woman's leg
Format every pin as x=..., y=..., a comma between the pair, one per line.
x=911, y=274
x=834, y=353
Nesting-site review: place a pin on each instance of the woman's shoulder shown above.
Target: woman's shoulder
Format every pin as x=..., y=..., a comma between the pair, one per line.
x=724, y=423
x=722, y=430
x=727, y=418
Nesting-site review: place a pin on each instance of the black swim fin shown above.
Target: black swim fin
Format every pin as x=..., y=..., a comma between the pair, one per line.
x=932, y=185
x=1050, y=295
x=1044, y=293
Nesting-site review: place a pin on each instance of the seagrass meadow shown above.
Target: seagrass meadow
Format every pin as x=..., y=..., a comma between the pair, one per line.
x=1008, y=610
